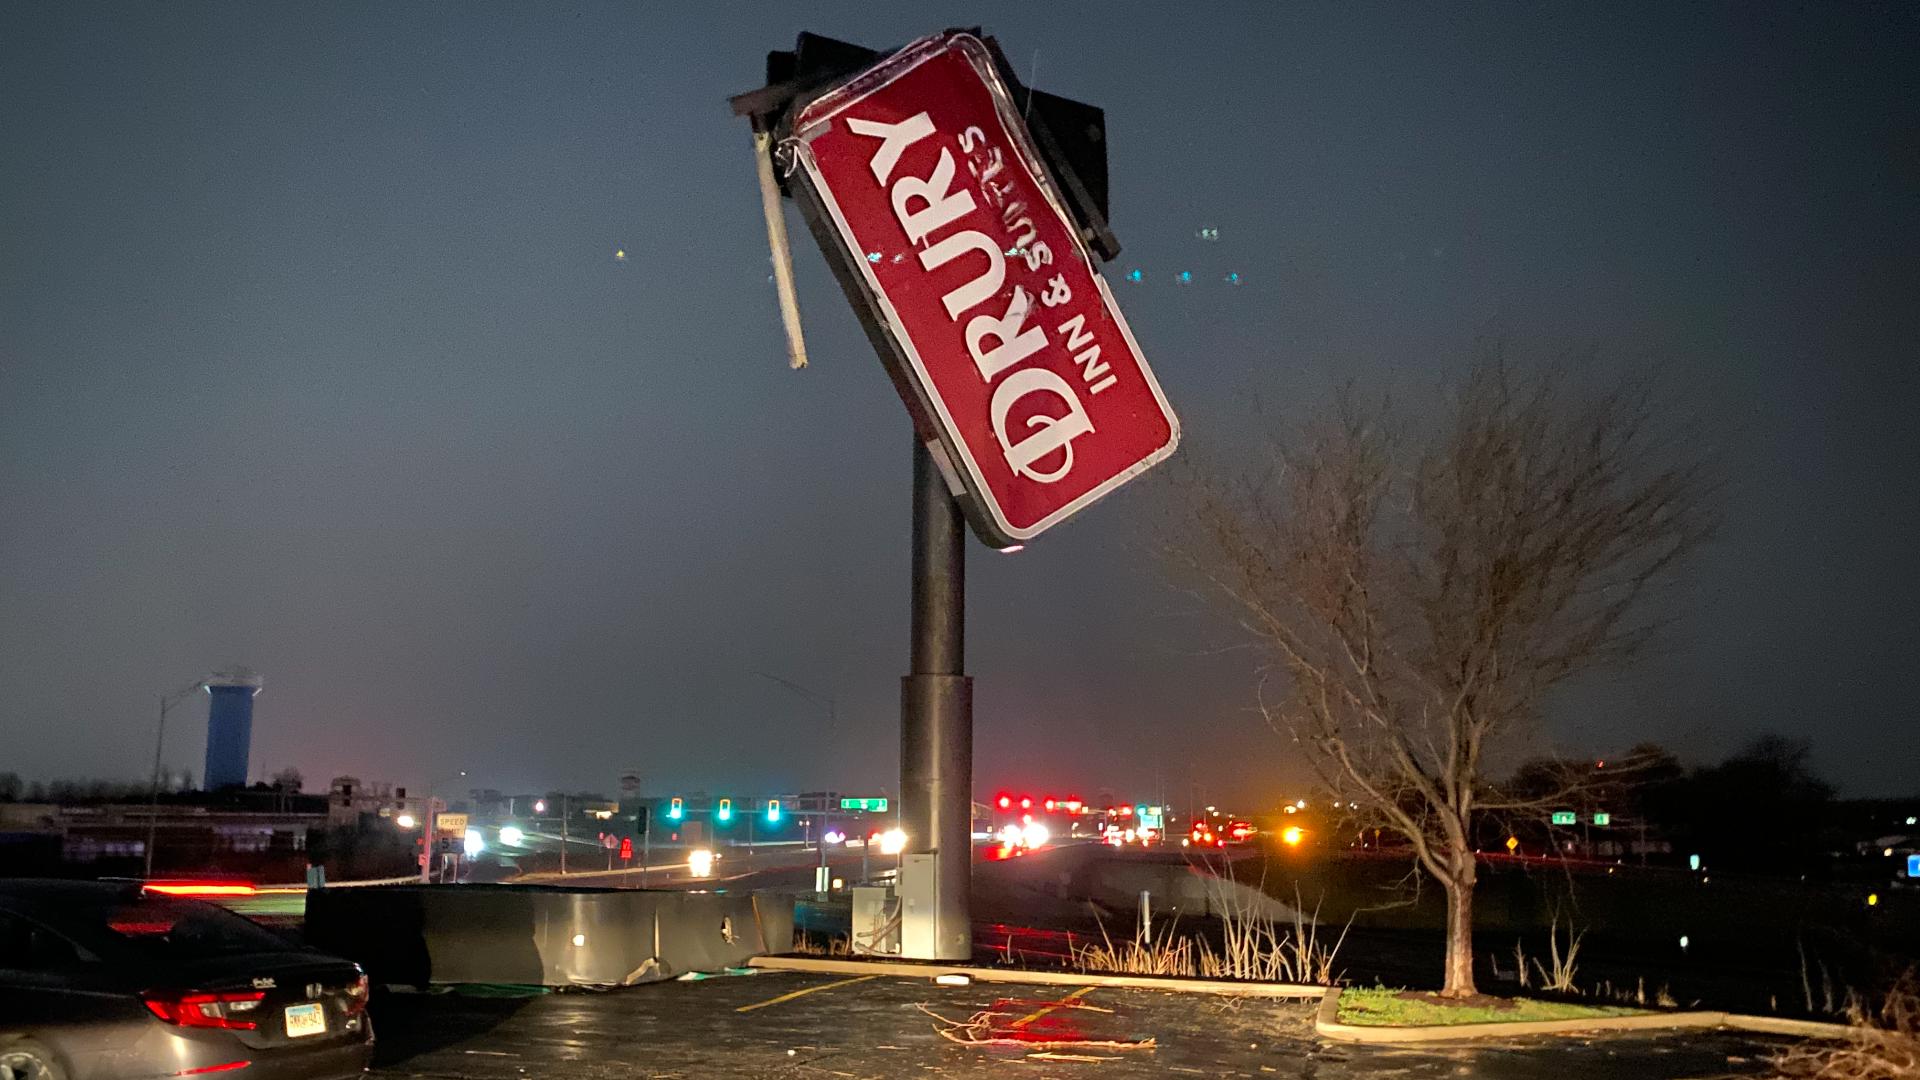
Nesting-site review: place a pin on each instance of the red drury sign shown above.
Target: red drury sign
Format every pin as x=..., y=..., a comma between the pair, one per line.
x=1006, y=342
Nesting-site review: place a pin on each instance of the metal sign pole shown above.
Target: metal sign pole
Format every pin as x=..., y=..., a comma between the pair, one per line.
x=936, y=715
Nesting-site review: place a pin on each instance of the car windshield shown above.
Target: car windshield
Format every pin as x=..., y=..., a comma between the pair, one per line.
x=182, y=929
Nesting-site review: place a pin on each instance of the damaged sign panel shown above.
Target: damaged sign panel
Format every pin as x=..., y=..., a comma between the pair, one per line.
x=1003, y=337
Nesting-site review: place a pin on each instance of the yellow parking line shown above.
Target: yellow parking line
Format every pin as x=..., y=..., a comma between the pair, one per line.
x=1045, y=1009
x=807, y=990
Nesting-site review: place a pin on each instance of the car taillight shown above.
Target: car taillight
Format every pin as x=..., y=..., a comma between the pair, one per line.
x=357, y=997
x=228, y=1010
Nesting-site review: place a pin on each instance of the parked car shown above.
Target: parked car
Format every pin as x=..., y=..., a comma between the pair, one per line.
x=104, y=981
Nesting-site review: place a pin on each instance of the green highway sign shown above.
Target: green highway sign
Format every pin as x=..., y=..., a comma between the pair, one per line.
x=1602, y=818
x=1565, y=817
x=863, y=804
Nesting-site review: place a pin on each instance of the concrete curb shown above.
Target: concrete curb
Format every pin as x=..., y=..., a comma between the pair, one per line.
x=916, y=970
x=1810, y=1029
x=1326, y=1022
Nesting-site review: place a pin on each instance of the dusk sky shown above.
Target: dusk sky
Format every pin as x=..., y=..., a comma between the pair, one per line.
x=315, y=357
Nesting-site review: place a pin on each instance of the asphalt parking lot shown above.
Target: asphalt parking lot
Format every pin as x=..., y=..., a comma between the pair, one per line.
x=781, y=1024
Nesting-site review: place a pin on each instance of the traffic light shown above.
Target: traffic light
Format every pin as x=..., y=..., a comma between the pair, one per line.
x=724, y=812
x=773, y=811
x=676, y=809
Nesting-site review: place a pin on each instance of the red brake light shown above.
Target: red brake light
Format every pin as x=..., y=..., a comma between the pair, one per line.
x=1026, y=804
x=204, y=1010
x=225, y=1066
x=140, y=927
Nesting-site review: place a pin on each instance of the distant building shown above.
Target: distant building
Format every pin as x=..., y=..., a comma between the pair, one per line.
x=229, y=728
x=352, y=804
x=242, y=832
x=29, y=840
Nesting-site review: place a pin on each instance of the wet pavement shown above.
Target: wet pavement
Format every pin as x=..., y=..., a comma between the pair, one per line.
x=782, y=1024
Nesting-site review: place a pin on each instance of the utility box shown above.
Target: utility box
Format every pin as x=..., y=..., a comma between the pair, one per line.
x=876, y=921
x=923, y=935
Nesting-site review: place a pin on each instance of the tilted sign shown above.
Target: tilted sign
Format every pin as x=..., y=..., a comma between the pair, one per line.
x=1003, y=337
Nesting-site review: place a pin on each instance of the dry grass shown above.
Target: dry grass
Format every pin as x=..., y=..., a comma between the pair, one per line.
x=805, y=944
x=1884, y=1044
x=1560, y=976
x=1844, y=1003
x=1254, y=948
x=1561, y=969
x=1164, y=953
x=1662, y=998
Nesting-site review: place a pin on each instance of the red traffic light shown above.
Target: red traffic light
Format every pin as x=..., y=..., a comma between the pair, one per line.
x=1006, y=801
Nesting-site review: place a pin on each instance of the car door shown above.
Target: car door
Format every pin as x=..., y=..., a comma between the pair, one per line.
x=58, y=993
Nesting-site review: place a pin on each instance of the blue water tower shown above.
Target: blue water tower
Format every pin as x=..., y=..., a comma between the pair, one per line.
x=229, y=728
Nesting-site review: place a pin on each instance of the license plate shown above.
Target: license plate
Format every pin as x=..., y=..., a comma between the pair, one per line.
x=306, y=1020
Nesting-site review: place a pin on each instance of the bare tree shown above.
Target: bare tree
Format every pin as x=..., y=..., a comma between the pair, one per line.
x=1418, y=593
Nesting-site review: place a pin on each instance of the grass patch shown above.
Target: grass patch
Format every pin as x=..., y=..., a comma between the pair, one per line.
x=1381, y=1007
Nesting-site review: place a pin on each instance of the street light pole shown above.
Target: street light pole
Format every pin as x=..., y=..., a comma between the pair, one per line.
x=167, y=701
x=936, y=714
x=821, y=880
